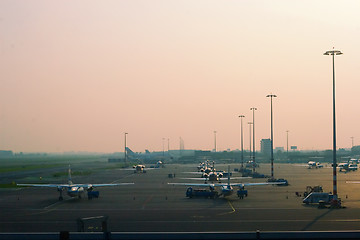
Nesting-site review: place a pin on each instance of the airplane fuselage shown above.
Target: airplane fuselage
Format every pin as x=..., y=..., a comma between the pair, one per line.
x=74, y=191
x=139, y=168
x=227, y=190
x=213, y=177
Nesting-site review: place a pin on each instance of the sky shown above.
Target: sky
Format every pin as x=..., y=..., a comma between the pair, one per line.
x=77, y=75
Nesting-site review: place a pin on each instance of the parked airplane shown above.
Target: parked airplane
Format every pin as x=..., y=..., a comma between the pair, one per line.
x=347, y=167
x=159, y=164
x=74, y=190
x=312, y=164
x=137, y=168
x=205, y=167
x=226, y=188
x=213, y=176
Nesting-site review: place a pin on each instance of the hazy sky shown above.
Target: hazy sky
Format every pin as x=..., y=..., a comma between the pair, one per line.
x=77, y=75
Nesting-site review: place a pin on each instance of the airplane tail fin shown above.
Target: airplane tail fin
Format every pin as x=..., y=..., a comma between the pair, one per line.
x=69, y=176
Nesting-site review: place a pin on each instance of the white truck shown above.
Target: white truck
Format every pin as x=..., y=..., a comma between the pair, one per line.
x=316, y=197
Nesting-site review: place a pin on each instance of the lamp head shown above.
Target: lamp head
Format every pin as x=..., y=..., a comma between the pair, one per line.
x=333, y=52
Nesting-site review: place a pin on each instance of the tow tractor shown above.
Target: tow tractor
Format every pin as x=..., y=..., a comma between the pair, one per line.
x=93, y=194
x=190, y=193
x=241, y=193
x=319, y=197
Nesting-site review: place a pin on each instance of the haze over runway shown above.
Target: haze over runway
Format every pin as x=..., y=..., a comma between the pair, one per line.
x=75, y=76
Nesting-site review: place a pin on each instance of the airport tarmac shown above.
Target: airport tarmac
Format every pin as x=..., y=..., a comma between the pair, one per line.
x=153, y=205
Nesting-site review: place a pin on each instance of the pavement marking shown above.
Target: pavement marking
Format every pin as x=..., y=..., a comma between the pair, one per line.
x=232, y=207
x=50, y=207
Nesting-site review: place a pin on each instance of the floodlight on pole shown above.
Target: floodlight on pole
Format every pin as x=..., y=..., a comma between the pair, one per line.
x=253, y=122
x=125, y=147
x=287, y=144
x=163, y=147
x=241, y=140
x=333, y=53
x=271, y=96
x=250, y=123
x=215, y=141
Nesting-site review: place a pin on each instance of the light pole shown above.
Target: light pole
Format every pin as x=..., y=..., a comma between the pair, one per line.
x=241, y=141
x=250, y=138
x=333, y=53
x=271, y=96
x=125, y=147
x=253, y=122
x=163, y=147
x=215, y=141
x=352, y=142
x=287, y=144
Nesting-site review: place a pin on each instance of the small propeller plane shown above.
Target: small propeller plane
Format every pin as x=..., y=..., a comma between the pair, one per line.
x=137, y=169
x=347, y=167
x=312, y=164
x=212, y=175
x=74, y=190
x=226, y=188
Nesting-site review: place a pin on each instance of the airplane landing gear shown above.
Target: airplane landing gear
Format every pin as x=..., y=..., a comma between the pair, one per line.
x=60, y=197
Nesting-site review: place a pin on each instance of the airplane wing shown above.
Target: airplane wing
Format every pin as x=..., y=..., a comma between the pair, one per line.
x=234, y=178
x=199, y=179
x=222, y=179
x=196, y=184
x=255, y=184
x=74, y=185
x=225, y=184
x=43, y=185
x=104, y=184
x=195, y=172
x=134, y=169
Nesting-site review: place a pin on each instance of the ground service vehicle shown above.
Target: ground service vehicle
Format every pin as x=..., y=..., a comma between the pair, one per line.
x=190, y=193
x=242, y=193
x=316, y=197
x=93, y=194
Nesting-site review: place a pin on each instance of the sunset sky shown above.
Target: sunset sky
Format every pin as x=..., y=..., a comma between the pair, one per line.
x=77, y=75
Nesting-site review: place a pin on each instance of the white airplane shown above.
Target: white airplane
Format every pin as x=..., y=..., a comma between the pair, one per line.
x=227, y=188
x=138, y=168
x=312, y=164
x=205, y=167
x=347, y=167
x=213, y=176
x=74, y=190
x=159, y=164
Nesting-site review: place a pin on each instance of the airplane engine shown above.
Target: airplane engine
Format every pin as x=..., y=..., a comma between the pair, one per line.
x=221, y=175
x=90, y=188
